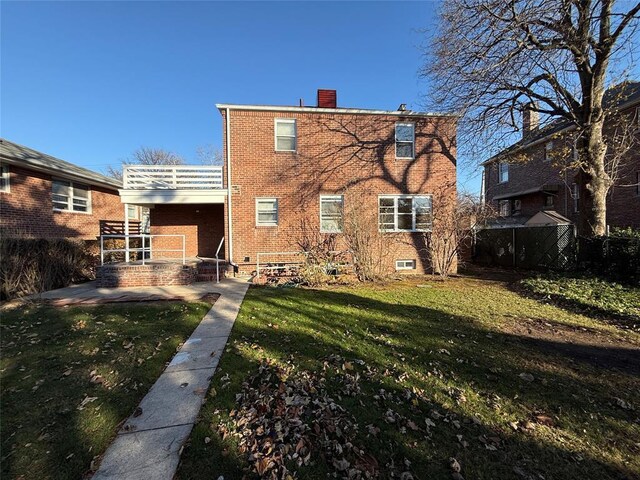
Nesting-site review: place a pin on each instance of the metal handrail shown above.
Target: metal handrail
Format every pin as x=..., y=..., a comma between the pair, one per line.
x=299, y=253
x=218, y=261
x=144, y=248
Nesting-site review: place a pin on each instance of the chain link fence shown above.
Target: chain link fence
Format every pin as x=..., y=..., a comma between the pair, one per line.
x=544, y=247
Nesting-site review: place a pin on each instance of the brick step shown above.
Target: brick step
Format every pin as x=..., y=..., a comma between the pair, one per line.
x=209, y=269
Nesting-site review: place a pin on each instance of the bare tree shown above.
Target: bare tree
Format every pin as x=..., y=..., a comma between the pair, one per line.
x=370, y=251
x=209, y=155
x=147, y=156
x=453, y=229
x=491, y=59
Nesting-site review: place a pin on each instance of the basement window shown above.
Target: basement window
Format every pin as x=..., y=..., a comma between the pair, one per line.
x=286, y=135
x=405, y=264
x=70, y=196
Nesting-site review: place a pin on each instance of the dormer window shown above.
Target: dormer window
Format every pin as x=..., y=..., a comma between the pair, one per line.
x=286, y=135
x=405, y=140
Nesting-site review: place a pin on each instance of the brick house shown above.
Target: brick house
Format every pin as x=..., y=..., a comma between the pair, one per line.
x=44, y=197
x=292, y=170
x=534, y=174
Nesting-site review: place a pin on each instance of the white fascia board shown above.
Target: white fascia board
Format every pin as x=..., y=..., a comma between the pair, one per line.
x=344, y=111
x=158, y=196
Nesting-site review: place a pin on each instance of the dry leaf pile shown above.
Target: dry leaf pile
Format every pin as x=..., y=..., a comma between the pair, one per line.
x=287, y=420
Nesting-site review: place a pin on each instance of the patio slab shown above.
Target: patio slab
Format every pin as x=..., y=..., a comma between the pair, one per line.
x=150, y=441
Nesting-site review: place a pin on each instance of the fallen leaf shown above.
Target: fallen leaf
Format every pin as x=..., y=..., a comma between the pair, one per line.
x=545, y=420
x=527, y=377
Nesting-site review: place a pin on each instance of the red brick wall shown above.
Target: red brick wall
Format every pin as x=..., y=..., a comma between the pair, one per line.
x=348, y=154
x=27, y=208
x=202, y=225
x=145, y=275
x=623, y=204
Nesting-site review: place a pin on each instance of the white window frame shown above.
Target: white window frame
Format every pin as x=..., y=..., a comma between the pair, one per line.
x=332, y=198
x=136, y=209
x=504, y=212
x=503, y=171
x=548, y=149
x=575, y=195
x=294, y=136
x=405, y=264
x=413, y=140
x=395, y=213
x=273, y=200
x=5, y=187
x=71, y=196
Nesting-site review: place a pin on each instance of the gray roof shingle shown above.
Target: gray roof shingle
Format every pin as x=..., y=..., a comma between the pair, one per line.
x=30, y=158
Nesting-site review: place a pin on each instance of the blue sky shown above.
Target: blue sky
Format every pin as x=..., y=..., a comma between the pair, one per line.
x=90, y=82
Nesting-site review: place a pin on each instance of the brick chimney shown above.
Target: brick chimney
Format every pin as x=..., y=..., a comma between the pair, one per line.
x=327, y=98
x=530, y=119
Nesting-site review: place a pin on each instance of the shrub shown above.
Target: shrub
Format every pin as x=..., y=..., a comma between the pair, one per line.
x=627, y=232
x=30, y=265
x=590, y=293
x=614, y=257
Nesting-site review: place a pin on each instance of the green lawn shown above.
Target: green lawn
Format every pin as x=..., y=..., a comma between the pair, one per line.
x=70, y=375
x=470, y=370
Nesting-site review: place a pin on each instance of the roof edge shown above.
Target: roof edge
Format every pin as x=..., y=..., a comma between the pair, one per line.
x=63, y=174
x=342, y=111
x=544, y=138
x=83, y=174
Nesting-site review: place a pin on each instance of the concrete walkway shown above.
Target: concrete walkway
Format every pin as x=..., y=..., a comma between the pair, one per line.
x=149, y=444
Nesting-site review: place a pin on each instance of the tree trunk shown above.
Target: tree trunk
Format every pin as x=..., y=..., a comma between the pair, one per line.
x=595, y=182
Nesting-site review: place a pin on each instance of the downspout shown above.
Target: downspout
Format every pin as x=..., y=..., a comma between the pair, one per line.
x=229, y=211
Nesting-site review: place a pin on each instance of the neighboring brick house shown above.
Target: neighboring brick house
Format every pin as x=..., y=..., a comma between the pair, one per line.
x=532, y=175
x=44, y=197
x=290, y=172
